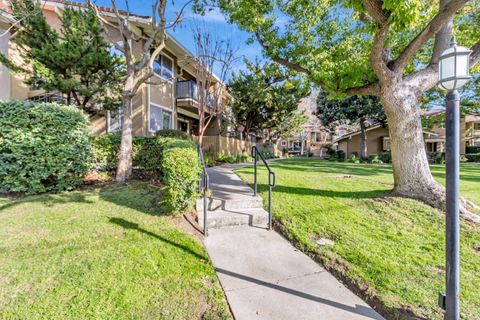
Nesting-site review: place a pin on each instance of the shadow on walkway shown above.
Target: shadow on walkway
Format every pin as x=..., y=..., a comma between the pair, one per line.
x=358, y=309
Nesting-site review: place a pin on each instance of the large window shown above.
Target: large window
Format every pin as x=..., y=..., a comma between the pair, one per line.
x=159, y=118
x=163, y=67
x=114, y=120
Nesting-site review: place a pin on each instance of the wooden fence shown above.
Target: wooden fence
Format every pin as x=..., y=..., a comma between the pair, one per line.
x=215, y=145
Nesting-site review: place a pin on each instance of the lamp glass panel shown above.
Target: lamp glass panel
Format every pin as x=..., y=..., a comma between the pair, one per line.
x=448, y=67
x=462, y=65
x=449, y=85
x=461, y=83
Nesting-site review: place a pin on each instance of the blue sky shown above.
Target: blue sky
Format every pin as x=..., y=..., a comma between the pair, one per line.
x=213, y=20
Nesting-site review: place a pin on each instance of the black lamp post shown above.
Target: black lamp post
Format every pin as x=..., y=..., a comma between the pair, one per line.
x=454, y=73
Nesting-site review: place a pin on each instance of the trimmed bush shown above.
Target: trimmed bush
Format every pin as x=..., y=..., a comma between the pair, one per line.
x=440, y=158
x=180, y=168
x=473, y=157
x=146, y=153
x=385, y=157
x=43, y=147
x=472, y=149
x=170, y=133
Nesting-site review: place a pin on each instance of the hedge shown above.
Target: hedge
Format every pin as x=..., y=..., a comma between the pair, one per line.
x=43, y=147
x=170, y=156
x=472, y=149
x=473, y=157
x=180, y=169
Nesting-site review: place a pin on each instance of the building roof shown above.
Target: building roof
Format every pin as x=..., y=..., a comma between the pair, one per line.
x=372, y=126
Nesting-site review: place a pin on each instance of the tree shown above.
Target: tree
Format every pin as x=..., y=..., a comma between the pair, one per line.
x=139, y=67
x=267, y=97
x=212, y=55
x=384, y=48
x=356, y=110
x=74, y=61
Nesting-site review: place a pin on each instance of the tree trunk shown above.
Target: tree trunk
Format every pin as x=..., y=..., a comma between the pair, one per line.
x=124, y=169
x=363, y=140
x=411, y=170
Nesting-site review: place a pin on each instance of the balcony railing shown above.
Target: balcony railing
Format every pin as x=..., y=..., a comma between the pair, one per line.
x=188, y=89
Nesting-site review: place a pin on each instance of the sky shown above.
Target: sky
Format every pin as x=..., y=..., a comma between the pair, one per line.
x=213, y=20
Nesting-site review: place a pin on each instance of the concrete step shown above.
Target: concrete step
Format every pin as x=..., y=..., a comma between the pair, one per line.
x=228, y=218
x=238, y=203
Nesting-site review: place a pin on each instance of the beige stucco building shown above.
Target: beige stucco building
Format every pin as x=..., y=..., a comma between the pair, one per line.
x=173, y=104
x=378, y=140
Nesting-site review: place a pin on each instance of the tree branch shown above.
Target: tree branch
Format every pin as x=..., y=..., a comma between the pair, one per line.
x=378, y=56
x=434, y=26
x=371, y=89
x=475, y=56
x=285, y=62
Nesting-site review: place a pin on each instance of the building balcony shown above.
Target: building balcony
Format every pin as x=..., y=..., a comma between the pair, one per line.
x=187, y=94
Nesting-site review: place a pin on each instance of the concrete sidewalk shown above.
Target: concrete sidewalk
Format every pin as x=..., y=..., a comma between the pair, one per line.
x=265, y=277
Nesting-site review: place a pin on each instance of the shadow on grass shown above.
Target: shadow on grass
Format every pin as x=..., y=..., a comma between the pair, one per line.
x=323, y=193
x=48, y=200
x=134, y=226
x=139, y=196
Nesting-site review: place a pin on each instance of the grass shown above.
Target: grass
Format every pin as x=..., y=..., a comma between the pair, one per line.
x=102, y=254
x=391, y=249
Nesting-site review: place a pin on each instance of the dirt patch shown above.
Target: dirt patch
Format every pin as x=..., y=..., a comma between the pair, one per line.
x=477, y=250
x=344, y=177
x=339, y=268
x=188, y=223
x=384, y=200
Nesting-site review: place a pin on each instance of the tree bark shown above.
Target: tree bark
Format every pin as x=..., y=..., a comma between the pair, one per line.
x=363, y=139
x=124, y=169
x=411, y=170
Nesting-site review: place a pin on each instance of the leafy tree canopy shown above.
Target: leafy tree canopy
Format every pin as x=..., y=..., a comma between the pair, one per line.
x=331, y=40
x=267, y=97
x=74, y=60
x=352, y=110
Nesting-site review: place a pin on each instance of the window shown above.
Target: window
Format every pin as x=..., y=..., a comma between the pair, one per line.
x=163, y=67
x=386, y=144
x=182, y=125
x=114, y=120
x=159, y=118
x=284, y=143
x=477, y=126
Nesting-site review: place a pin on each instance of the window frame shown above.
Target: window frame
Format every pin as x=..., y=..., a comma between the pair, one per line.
x=109, y=120
x=164, y=109
x=162, y=55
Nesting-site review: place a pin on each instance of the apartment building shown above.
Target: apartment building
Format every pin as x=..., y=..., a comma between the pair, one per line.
x=172, y=103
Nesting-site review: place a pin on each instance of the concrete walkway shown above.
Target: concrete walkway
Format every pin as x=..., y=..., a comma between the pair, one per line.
x=264, y=276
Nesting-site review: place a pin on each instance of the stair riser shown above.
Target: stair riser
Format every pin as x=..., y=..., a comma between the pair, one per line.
x=223, y=222
x=214, y=204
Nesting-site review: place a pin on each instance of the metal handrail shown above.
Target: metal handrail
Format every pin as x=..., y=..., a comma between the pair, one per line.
x=203, y=177
x=271, y=181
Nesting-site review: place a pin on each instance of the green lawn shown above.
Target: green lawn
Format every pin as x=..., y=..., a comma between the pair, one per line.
x=390, y=248
x=102, y=254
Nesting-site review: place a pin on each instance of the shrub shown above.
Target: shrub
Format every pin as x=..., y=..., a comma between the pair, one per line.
x=374, y=159
x=354, y=159
x=146, y=152
x=472, y=149
x=267, y=154
x=385, y=157
x=473, y=157
x=440, y=158
x=340, y=155
x=171, y=133
x=463, y=158
x=43, y=147
x=226, y=158
x=180, y=168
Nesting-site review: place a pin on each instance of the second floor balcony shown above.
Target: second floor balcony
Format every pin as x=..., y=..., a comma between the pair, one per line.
x=187, y=94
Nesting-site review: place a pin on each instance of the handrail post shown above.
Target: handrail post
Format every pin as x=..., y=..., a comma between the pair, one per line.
x=205, y=209
x=254, y=154
x=269, y=207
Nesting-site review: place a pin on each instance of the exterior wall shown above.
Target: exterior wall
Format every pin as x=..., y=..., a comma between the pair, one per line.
x=4, y=73
x=374, y=142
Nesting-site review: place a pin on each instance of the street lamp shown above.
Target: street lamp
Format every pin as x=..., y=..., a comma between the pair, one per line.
x=454, y=73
